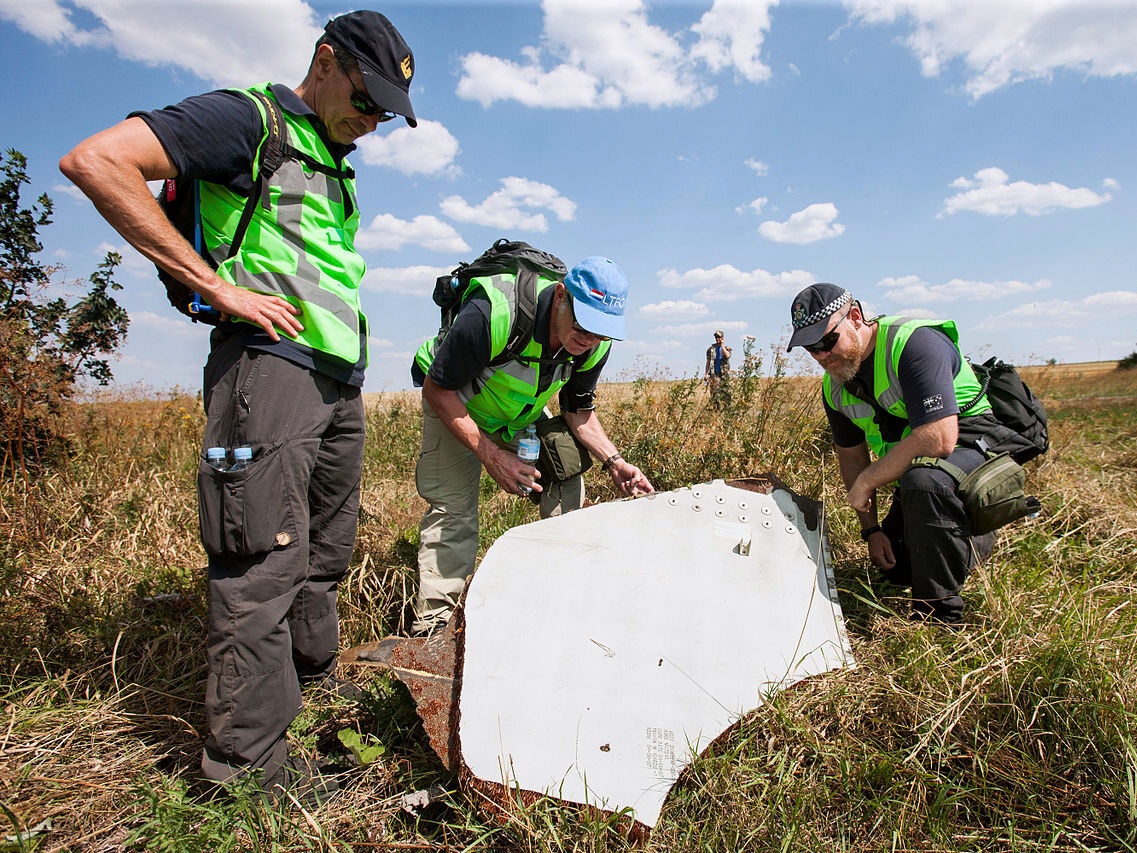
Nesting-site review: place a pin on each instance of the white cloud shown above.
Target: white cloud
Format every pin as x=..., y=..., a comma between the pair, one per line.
x=758, y=205
x=407, y=281
x=389, y=232
x=1067, y=312
x=689, y=330
x=512, y=206
x=1009, y=41
x=758, y=167
x=726, y=283
x=991, y=192
x=670, y=308
x=806, y=226
x=911, y=288
x=607, y=55
x=171, y=325
x=731, y=36
x=429, y=149
x=226, y=42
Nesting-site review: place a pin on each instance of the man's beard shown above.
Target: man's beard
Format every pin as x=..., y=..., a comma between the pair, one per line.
x=846, y=366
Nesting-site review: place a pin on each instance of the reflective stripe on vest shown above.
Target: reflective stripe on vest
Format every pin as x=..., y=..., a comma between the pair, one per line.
x=891, y=338
x=302, y=246
x=505, y=398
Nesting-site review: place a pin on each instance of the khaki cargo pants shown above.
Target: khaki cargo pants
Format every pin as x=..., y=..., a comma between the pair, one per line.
x=448, y=477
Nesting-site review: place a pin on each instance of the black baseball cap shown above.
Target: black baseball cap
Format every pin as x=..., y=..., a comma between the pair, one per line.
x=385, y=61
x=811, y=311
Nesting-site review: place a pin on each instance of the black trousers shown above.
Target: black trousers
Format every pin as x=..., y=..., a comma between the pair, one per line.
x=280, y=536
x=930, y=533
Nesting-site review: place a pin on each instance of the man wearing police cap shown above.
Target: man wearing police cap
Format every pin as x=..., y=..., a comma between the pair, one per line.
x=894, y=388
x=285, y=368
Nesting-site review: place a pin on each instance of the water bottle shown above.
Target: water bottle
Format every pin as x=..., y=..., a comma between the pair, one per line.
x=529, y=449
x=215, y=457
x=242, y=458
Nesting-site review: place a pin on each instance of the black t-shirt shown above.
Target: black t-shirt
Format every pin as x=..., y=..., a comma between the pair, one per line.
x=927, y=370
x=466, y=351
x=214, y=137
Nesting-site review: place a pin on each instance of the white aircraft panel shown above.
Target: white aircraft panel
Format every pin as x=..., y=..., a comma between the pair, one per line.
x=606, y=648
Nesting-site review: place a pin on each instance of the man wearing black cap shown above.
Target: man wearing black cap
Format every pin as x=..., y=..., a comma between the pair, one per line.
x=898, y=387
x=285, y=368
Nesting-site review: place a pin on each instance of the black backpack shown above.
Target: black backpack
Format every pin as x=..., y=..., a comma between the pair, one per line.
x=1021, y=416
x=504, y=256
x=180, y=200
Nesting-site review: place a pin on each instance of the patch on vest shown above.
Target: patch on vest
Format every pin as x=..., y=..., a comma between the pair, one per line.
x=933, y=403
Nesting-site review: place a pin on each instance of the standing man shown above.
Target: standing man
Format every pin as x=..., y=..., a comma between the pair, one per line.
x=717, y=370
x=895, y=386
x=285, y=368
x=473, y=412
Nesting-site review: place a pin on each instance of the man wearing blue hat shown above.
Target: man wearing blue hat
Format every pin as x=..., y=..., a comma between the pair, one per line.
x=474, y=412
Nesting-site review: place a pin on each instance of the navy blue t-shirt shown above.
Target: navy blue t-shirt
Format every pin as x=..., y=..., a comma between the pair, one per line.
x=214, y=137
x=465, y=353
x=927, y=370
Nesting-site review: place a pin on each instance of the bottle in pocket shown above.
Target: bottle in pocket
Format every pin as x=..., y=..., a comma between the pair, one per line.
x=242, y=458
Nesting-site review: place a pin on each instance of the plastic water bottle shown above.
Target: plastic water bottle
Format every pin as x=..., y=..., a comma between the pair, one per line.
x=242, y=458
x=529, y=449
x=215, y=456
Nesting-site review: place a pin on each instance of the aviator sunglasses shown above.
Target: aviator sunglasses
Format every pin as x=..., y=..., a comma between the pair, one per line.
x=361, y=102
x=829, y=340
x=579, y=329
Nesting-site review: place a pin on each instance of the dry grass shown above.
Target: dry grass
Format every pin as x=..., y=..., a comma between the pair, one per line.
x=1017, y=733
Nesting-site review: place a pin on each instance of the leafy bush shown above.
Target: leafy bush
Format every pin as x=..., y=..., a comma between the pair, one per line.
x=47, y=343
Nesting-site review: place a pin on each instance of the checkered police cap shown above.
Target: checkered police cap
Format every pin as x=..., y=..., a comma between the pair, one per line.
x=811, y=311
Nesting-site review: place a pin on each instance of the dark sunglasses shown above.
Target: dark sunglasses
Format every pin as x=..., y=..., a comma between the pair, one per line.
x=579, y=329
x=361, y=102
x=829, y=340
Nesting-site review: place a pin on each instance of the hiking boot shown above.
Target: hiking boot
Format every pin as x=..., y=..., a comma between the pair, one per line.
x=428, y=627
x=300, y=780
x=335, y=687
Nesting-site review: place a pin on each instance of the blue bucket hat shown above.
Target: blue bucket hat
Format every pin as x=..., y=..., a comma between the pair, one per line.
x=599, y=291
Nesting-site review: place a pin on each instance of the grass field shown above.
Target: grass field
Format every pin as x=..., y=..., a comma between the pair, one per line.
x=1016, y=733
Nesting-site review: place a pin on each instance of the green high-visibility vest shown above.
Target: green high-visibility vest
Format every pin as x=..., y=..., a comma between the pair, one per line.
x=301, y=246
x=506, y=398
x=891, y=337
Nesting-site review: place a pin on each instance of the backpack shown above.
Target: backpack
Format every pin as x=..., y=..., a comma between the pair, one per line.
x=504, y=256
x=1022, y=419
x=180, y=200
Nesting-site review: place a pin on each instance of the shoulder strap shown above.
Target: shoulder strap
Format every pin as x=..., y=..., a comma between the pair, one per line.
x=954, y=471
x=272, y=155
x=524, y=317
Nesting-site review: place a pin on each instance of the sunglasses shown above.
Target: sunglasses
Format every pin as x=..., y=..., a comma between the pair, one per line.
x=361, y=102
x=579, y=329
x=829, y=340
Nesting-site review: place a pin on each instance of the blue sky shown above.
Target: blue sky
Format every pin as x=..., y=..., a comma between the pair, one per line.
x=971, y=160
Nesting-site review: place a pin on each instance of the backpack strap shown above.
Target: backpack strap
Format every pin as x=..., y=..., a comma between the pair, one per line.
x=524, y=317
x=274, y=150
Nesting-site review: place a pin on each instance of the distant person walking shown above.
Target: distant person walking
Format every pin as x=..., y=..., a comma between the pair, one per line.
x=894, y=388
x=716, y=373
x=285, y=367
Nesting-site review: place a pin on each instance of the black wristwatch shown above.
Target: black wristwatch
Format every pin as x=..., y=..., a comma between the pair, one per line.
x=869, y=531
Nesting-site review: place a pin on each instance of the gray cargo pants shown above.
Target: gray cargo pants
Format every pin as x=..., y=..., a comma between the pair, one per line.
x=931, y=538
x=279, y=535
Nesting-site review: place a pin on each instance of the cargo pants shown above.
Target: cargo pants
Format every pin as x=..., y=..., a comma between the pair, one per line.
x=930, y=533
x=279, y=536
x=448, y=477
